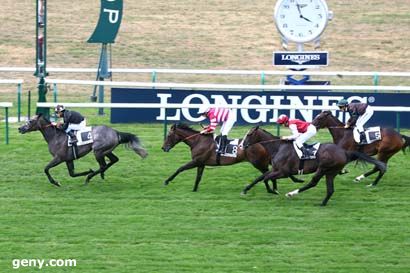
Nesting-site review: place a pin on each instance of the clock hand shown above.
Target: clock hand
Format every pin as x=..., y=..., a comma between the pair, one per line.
x=298, y=6
x=303, y=17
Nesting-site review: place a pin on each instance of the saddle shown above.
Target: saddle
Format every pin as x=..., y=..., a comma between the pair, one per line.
x=311, y=150
x=84, y=137
x=372, y=134
x=231, y=148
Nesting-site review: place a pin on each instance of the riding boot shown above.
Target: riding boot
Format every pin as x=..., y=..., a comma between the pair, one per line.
x=222, y=144
x=362, y=138
x=73, y=137
x=305, y=153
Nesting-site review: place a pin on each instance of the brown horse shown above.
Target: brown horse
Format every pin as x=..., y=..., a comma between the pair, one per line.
x=203, y=153
x=330, y=160
x=390, y=144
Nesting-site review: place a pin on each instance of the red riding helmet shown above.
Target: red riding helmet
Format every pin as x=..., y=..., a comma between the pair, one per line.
x=282, y=119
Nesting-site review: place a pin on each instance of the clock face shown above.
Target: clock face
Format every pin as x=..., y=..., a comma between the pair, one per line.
x=301, y=21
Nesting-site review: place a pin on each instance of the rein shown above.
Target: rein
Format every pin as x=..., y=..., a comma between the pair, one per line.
x=191, y=136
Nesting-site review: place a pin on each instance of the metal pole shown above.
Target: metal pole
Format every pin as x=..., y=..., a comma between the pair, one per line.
x=165, y=124
x=18, y=102
x=29, y=105
x=398, y=121
x=7, y=125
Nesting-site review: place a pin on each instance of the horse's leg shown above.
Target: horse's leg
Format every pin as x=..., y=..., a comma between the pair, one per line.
x=187, y=166
x=266, y=176
x=313, y=182
x=199, y=172
x=329, y=188
x=295, y=179
x=54, y=162
x=383, y=159
x=99, y=156
x=70, y=167
x=263, y=170
x=113, y=159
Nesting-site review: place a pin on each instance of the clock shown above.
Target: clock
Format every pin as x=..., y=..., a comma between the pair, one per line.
x=301, y=21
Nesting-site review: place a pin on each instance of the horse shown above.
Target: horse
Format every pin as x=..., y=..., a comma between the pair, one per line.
x=203, y=153
x=105, y=140
x=330, y=160
x=391, y=142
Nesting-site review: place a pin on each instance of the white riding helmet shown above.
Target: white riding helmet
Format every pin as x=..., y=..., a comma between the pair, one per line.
x=203, y=109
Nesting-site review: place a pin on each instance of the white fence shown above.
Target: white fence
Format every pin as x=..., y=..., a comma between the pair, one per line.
x=212, y=72
x=19, y=83
x=6, y=106
x=229, y=86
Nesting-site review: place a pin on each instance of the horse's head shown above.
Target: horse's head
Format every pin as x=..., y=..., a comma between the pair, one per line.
x=33, y=124
x=176, y=134
x=325, y=120
x=251, y=137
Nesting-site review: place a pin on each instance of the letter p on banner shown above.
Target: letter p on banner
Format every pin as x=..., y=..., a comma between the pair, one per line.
x=108, y=23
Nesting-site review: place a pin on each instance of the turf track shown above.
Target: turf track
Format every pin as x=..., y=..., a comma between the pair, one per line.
x=132, y=223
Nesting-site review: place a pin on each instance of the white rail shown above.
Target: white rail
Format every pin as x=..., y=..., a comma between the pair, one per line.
x=11, y=81
x=211, y=72
x=195, y=106
x=229, y=86
x=6, y=104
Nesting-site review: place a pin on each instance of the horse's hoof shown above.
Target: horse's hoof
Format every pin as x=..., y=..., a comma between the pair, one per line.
x=243, y=193
x=57, y=184
x=371, y=186
x=275, y=192
x=166, y=183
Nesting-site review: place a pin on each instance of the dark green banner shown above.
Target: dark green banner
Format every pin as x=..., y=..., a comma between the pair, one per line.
x=108, y=23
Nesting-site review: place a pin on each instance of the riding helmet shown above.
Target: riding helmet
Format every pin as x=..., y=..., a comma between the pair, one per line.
x=59, y=108
x=342, y=103
x=282, y=119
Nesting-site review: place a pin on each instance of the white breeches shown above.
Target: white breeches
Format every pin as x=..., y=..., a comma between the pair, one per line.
x=310, y=132
x=361, y=121
x=227, y=125
x=76, y=127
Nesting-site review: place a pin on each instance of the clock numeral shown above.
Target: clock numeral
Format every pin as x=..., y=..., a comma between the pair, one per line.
x=317, y=25
x=285, y=25
x=282, y=16
x=317, y=7
x=286, y=6
x=320, y=16
x=300, y=34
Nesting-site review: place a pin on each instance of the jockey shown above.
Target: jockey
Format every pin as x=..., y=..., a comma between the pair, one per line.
x=359, y=112
x=301, y=132
x=73, y=121
x=216, y=116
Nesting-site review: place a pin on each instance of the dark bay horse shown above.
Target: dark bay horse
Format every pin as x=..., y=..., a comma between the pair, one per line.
x=330, y=160
x=105, y=141
x=391, y=142
x=203, y=154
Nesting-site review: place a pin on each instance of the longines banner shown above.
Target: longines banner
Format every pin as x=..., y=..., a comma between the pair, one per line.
x=249, y=116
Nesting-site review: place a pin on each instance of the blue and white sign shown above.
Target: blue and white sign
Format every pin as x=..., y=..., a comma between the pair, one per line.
x=245, y=98
x=305, y=58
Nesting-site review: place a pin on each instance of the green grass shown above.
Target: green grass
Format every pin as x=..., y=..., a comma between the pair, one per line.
x=132, y=223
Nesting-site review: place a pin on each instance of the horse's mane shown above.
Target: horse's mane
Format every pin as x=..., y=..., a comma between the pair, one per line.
x=185, y=127
x=267, y=132
x=334, y=118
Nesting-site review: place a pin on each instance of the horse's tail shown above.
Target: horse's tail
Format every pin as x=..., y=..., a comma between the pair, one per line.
x=133, y=142
x=406, y=143
x=354, y=155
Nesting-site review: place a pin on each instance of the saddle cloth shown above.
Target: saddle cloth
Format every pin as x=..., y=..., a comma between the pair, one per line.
x=372, y=134
x=84, y=137
x=312, y=149
x=231, y=148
